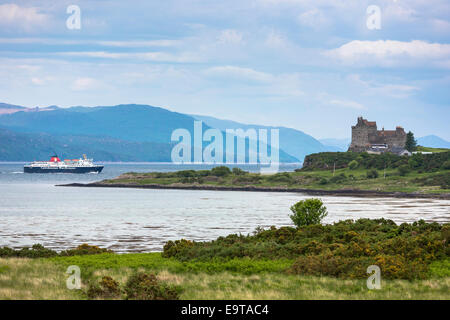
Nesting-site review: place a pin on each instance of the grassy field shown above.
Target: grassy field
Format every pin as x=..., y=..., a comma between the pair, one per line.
x=45, y=278
x=344, y=178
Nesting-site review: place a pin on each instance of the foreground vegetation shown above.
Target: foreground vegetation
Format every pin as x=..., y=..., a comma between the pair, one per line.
x=429, y=173
x=24, y=278
x=311, y=261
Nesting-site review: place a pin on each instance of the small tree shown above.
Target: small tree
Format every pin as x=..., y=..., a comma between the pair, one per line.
x=411, y=143
x=307, y=212
x=353, y=164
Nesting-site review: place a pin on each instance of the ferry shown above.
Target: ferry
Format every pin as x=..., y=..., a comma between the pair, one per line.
x=55, y=165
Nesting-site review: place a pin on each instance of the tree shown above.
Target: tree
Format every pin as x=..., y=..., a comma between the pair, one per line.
x=307, y=212
x=411, y=143
x=353, y=164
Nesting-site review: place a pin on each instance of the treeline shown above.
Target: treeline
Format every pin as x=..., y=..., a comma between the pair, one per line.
x=417, y=162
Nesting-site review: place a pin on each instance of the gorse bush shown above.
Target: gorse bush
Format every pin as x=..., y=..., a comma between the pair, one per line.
x=343, y=249
x=139, y=286
x=307, y=212
x=36, y=251
x=39, y=251
x=142, y=286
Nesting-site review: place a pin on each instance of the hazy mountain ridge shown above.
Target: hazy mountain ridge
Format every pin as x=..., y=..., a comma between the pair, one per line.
x=117, y=133
x=131, y=133
x=294, y=142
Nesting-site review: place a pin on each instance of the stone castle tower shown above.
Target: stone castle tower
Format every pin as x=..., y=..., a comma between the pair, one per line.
x=366, y=137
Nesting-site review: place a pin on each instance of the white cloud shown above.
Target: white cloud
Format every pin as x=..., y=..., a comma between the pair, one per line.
x=386, y=89
x=391, y=53
x=348, y=104
x=241, y=73
x=22, y=18
x=313, y=18
x=275, y=40
x=231, y=36
x=183, y=57
x=84, y=83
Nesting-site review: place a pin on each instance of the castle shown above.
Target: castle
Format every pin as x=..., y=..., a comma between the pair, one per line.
x=366, y=137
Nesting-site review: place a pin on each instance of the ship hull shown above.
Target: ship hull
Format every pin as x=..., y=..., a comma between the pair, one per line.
x=95, y=169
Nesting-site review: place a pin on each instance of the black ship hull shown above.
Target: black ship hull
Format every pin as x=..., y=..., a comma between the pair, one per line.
x=94, y=169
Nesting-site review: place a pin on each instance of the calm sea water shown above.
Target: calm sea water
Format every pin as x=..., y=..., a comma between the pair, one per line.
x=34, y=210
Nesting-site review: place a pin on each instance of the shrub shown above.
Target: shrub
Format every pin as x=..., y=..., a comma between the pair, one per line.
x=238, y=171
x=307, y=212
x=372, y=174
x=39, y=251
x=353, y=164
x=339, y=178
x=403, y=170
x=107, y=288
x=220, y=171
x=36, y=251
x=323, y=181
x=142, y=286
x=172, y=248
x=84, y=249
x=446, y=165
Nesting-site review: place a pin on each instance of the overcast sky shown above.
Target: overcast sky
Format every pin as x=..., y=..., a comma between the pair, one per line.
x=312, y=65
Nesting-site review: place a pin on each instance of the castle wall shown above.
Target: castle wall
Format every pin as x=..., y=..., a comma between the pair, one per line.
x=365, y=134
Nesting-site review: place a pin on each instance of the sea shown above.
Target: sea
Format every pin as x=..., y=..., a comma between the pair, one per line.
x=33, y=209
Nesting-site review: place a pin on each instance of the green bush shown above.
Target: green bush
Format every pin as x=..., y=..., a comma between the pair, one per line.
x=84, y=249
x=39, y=251
x=108, y=288
x=220, y=171
x=338, y=178
x=352, y=165
x=372, y=174
x=36, y=251
x=342, y=249
x=323, y=181
x=403, y=170
x=446, y=165
x=238, y=171
x=142, y=286
x=307, y=212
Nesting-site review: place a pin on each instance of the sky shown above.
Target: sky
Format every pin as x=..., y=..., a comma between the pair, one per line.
x=312, y=65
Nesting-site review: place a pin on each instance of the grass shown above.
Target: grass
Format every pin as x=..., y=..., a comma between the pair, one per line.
x=429, y=149
x=355, y=180
x=23, y=278
x=154, y=261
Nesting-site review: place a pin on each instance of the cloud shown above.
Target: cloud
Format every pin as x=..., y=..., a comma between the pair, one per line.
x=241, y=73
x=348, y=104
x=158, y=56
x=84, y=83
x=231, y=36
x=391, y=53
x=12, y=15
x=385, y=89
x=313, y=18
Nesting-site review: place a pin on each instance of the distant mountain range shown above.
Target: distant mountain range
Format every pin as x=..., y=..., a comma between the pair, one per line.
x=433, y=141
x=130, y=133
x=116, y=133
x=294, y=142
x=341, y=144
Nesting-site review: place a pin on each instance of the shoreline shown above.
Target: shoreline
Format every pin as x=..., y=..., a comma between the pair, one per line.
x=342, y=193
